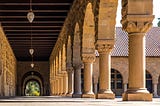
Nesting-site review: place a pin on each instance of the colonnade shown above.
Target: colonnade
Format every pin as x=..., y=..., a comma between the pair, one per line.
x=96, y=31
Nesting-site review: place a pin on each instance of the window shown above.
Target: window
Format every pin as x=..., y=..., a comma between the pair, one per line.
x=116, y=80
x=148, y=81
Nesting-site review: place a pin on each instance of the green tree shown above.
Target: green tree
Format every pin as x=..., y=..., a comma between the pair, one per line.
x=32, y=89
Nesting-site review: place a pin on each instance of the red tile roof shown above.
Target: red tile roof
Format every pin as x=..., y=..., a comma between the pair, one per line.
x=152, y=42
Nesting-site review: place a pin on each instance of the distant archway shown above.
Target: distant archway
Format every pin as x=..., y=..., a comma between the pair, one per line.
x=35, y=79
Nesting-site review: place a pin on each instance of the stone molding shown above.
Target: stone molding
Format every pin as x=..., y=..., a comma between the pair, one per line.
x=77, y=66
x=88, y=58
x=104, y=48
x=70, y=69
x=136, y=26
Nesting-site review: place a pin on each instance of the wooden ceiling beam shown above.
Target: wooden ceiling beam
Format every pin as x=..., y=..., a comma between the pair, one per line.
x=28, y=30
x=6, y=11
x=36, y=16
x=34, y=34
x=24, y=22
x=34, y=40
x=38, y=4
x=44, y=37
x=5, y=26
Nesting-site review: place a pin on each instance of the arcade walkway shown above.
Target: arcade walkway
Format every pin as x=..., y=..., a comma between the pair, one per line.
x=64, y=101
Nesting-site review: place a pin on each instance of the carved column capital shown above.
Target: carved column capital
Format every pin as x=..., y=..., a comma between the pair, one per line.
x=105, y=46
x=70, y=69
x=88, y=58
x=137, y=23
x=77, y=66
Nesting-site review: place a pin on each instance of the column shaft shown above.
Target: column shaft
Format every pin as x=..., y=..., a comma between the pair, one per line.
x=65, y=82
x=88, y=89
x=77, y=82
x=125, y=87
x=137, y=89
x=137, y=61
x=155, y=90
x=70, y=83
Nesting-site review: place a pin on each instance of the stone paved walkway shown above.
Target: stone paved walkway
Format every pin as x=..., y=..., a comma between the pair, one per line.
x=66, y=101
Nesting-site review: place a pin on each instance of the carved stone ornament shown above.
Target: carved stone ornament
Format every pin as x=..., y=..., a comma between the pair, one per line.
x=104, y=48
x=88, y=58
x=77, y=66
x=137, y=27
x=70, y=69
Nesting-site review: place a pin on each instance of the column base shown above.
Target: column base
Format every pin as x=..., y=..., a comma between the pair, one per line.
x=88, y=96
x=106, y=96
x=77, y=95
x=155, y=95
x=137, y=97
x=69, y=95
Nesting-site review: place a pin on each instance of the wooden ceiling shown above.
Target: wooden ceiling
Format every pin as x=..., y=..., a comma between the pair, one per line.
x=49, y=18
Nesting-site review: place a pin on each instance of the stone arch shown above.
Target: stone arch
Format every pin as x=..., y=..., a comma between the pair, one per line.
x=76, y=46
x=64, y=57
x=32, y=76
x=69, y=52
x=1, y=76
x=153, y=71
x=122, y=66
x=88, y=38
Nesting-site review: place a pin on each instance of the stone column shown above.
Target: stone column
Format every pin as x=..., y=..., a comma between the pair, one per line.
x=88, y=60
x=125, y=87
x=105, y=70
x=61, y=84
x=65, y=82
x=70, y=81
x=136, y=28
x=155, y=90
x=95, y=88
x=77, y=81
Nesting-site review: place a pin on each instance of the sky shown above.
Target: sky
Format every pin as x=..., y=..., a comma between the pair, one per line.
x=156, y=12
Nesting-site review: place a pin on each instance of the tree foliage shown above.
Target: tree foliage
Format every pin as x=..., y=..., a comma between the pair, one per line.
x=32, y=89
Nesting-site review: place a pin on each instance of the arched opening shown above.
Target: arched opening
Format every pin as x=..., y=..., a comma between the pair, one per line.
x=32, y=88
x=116, y=82
x=32, y=84
x=149, y=82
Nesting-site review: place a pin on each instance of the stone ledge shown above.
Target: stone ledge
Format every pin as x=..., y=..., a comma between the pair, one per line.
x=137, y=97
